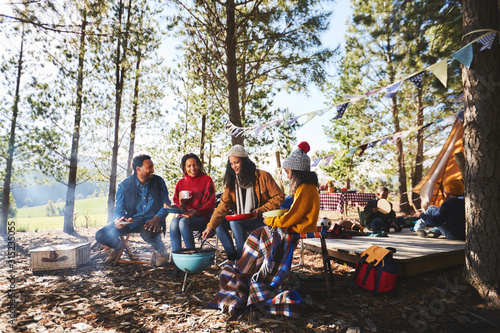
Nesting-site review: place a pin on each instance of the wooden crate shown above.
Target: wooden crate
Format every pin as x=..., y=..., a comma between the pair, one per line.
x=60, y=256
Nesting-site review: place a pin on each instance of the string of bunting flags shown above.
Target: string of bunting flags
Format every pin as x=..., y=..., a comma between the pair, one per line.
x=382, y=141
x=439, y=69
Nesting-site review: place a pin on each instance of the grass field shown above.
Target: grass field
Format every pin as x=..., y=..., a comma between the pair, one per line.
x=92, y=211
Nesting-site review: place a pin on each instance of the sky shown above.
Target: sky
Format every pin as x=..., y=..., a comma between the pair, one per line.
x=298, y=104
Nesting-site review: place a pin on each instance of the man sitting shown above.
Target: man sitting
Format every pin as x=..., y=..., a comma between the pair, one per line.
x=449, y=219
x=378, y=221
x=139, y=199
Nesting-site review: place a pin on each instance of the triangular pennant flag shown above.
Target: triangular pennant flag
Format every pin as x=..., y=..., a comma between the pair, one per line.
x=341, y=110
x=464, y=55
x=393, y=89
x=487, y=41
x=371, y=92
x=353, y=98
x=395, y=137
x=384, y=140
x=351, y=151
x=315, y=162
x=440, y=70
x=259, y=129
x=404, y=134
x=427, y=125
x=417, y=80
x=363, y=148
x=236, y=130
x=310, y=116
x=328, y=158
x=373, y=144
x=293, y=120
x=322, y=111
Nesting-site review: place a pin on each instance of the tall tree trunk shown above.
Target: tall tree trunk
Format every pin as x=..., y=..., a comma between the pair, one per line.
x=231, y=73
x=119, y=84
x=482, y=155
x=73, y=162
x=133, y=124
x=419, y=156
x=202, y=139
x=12, y=147
x=404, y=205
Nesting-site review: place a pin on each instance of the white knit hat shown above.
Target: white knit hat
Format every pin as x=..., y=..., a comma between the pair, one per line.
x=238, y=151
x=298, y=159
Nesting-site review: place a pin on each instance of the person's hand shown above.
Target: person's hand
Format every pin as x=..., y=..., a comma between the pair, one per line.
x=417, y=213
x=257, y=211
x=207, y=233
x=190, y=213
x=153, y=224
x=118, y=221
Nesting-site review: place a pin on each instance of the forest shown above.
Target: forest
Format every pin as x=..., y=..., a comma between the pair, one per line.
x=84, y=86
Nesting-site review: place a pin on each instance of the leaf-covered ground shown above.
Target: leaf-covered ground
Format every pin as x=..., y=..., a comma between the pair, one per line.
x=134, y=298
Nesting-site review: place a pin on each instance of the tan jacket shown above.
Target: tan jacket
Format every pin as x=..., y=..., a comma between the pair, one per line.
x=269, y=197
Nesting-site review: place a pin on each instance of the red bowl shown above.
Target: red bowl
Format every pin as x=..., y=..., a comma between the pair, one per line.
x=240, y=217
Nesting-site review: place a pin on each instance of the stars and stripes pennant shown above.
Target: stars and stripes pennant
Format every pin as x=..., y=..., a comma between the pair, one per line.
x=487, y=41
x=417, y=80
x=341, y=110
x=464, y=55
x=393, y=89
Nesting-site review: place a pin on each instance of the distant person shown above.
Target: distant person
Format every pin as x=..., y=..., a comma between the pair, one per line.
x=247, y=190
x=377, y=220
x=195, y=193
x=447, y=220
x=139, y=199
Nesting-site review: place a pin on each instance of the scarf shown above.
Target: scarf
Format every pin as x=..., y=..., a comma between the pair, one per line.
x=244, y=204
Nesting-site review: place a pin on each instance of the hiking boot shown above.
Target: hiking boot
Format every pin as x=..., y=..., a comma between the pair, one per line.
x=113, y=255
x=421, y=233
x=162, y=257
x=434, y=233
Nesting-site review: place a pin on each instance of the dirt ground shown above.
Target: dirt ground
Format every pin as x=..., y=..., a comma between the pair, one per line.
x=137, y=298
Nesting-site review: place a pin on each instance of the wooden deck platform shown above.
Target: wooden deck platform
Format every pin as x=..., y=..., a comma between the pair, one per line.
x=414, y=254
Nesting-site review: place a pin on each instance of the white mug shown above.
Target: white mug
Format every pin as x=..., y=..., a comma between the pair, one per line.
x=186, y=194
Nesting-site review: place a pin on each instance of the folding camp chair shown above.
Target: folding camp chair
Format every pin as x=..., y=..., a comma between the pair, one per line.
x=142, y=259
x=327, y=267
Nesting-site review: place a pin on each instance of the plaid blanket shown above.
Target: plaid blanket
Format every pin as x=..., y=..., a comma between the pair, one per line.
x=254, y=281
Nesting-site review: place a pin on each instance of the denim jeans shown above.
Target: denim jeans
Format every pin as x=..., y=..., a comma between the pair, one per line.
x=184, y=226
x=109, y=236
x=379, y=224
x=431, y=211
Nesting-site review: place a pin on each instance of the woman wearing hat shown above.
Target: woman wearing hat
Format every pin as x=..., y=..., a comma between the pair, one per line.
x=255, y=279
x=304, y=211
x=247, y=190
x=449, y=219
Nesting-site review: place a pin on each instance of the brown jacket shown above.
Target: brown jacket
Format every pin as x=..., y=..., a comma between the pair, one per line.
x=269, y=197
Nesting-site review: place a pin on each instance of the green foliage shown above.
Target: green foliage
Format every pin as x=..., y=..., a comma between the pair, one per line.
x=385, y=42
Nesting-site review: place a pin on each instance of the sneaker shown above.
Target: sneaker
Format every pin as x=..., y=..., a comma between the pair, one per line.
x=421, y=233
x=162, y=257
x=434, y=233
